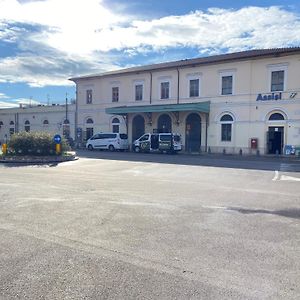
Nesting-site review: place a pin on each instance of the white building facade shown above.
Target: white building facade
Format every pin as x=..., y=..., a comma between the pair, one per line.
x=245, y=102
x=55, y=119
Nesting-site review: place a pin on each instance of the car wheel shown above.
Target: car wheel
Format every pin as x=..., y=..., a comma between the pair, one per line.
x=137, y=149
x=90, y=147
x=111, y=148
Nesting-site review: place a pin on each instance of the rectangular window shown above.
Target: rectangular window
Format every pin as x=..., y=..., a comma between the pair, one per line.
x=226, y=132
x=138, y=92
x=115, y=94
x=164, y=90
x=227, y=85
x=277, y=81
x=89, y=96
x=194, y=88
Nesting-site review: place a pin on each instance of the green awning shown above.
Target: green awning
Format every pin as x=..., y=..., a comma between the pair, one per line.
x=123, y=110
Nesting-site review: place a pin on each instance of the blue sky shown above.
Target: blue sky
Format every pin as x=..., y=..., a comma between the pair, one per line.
x=43, y=43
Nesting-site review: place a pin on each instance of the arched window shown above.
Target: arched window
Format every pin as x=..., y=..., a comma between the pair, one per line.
x=27, y=126
x=46, y=122
x=226, y=118
x=11, y=123
x=115, y=125
x=276, y=117
x=89, y=121
x=1, y=123
x=226, y=128
x=66, y=122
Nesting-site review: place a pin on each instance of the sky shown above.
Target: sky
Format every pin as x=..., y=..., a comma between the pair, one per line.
x=43, y=43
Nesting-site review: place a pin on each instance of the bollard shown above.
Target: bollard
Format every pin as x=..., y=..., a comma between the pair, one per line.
x=4, y=149
x=57, y=148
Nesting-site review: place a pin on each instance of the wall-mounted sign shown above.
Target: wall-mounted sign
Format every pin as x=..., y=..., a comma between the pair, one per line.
x=269, y=97
x=274, y=96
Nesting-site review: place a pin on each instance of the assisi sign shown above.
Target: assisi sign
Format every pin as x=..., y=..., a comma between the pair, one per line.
x=269, y=97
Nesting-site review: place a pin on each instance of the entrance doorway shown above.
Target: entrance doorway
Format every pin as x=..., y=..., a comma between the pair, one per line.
x=193, y=133
x=275, y=137
x=89, y=132
x=138, y=127
x=164, y=124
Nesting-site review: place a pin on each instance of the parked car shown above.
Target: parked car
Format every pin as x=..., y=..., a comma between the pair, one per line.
x=110, y=141
x=154, y=142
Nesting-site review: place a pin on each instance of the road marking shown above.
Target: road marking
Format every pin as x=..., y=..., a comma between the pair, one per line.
x=276, y=176
x=214, y=207
x=284, y=177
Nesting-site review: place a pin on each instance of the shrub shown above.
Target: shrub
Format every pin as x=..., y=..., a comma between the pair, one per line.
x=34, y=143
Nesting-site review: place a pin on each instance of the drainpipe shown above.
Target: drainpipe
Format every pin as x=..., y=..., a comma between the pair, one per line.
x=206, y=131
x=76, y=119
x=178, y=77
x=150, y=87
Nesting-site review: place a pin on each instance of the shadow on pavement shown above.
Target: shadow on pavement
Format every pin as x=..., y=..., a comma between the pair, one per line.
x=289, y=213
x=210, y=160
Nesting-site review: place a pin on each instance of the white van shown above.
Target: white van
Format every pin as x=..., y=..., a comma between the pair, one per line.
x=154, y=142
x=110, y=141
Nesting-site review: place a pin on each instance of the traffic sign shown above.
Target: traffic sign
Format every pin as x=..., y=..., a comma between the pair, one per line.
x=57, y=139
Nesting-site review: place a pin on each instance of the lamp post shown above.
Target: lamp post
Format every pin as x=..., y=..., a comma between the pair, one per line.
x=66, y=106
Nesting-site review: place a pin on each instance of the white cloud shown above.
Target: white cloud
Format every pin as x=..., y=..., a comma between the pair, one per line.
x=81, y=27
x=52, y=69
x=4, y=104
x=16, y=102
x=64, y=38
x=3, y=96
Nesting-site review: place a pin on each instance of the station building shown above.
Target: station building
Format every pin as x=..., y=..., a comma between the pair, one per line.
x=55, y=119
x=239, y=102
x=245, y=102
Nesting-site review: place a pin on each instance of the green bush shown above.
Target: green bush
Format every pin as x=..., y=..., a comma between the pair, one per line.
x=34, y=143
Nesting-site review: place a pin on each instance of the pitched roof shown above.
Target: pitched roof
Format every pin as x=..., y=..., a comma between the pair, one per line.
x=243, y=55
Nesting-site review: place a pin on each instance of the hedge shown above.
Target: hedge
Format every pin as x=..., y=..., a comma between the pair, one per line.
x=34, y=143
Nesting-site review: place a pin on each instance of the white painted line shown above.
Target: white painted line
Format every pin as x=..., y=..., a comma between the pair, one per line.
x=214, y=207
x=276, y=176
x=284, y=177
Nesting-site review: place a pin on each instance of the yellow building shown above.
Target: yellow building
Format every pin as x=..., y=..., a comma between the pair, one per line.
x=247, y=101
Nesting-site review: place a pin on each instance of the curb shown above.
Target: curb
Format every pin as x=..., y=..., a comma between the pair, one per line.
x=38, y=160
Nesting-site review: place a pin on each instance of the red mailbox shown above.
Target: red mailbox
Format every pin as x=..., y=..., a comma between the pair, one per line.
x=254, y=143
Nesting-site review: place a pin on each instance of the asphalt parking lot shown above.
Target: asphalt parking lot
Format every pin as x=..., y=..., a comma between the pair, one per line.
x=142, y=226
